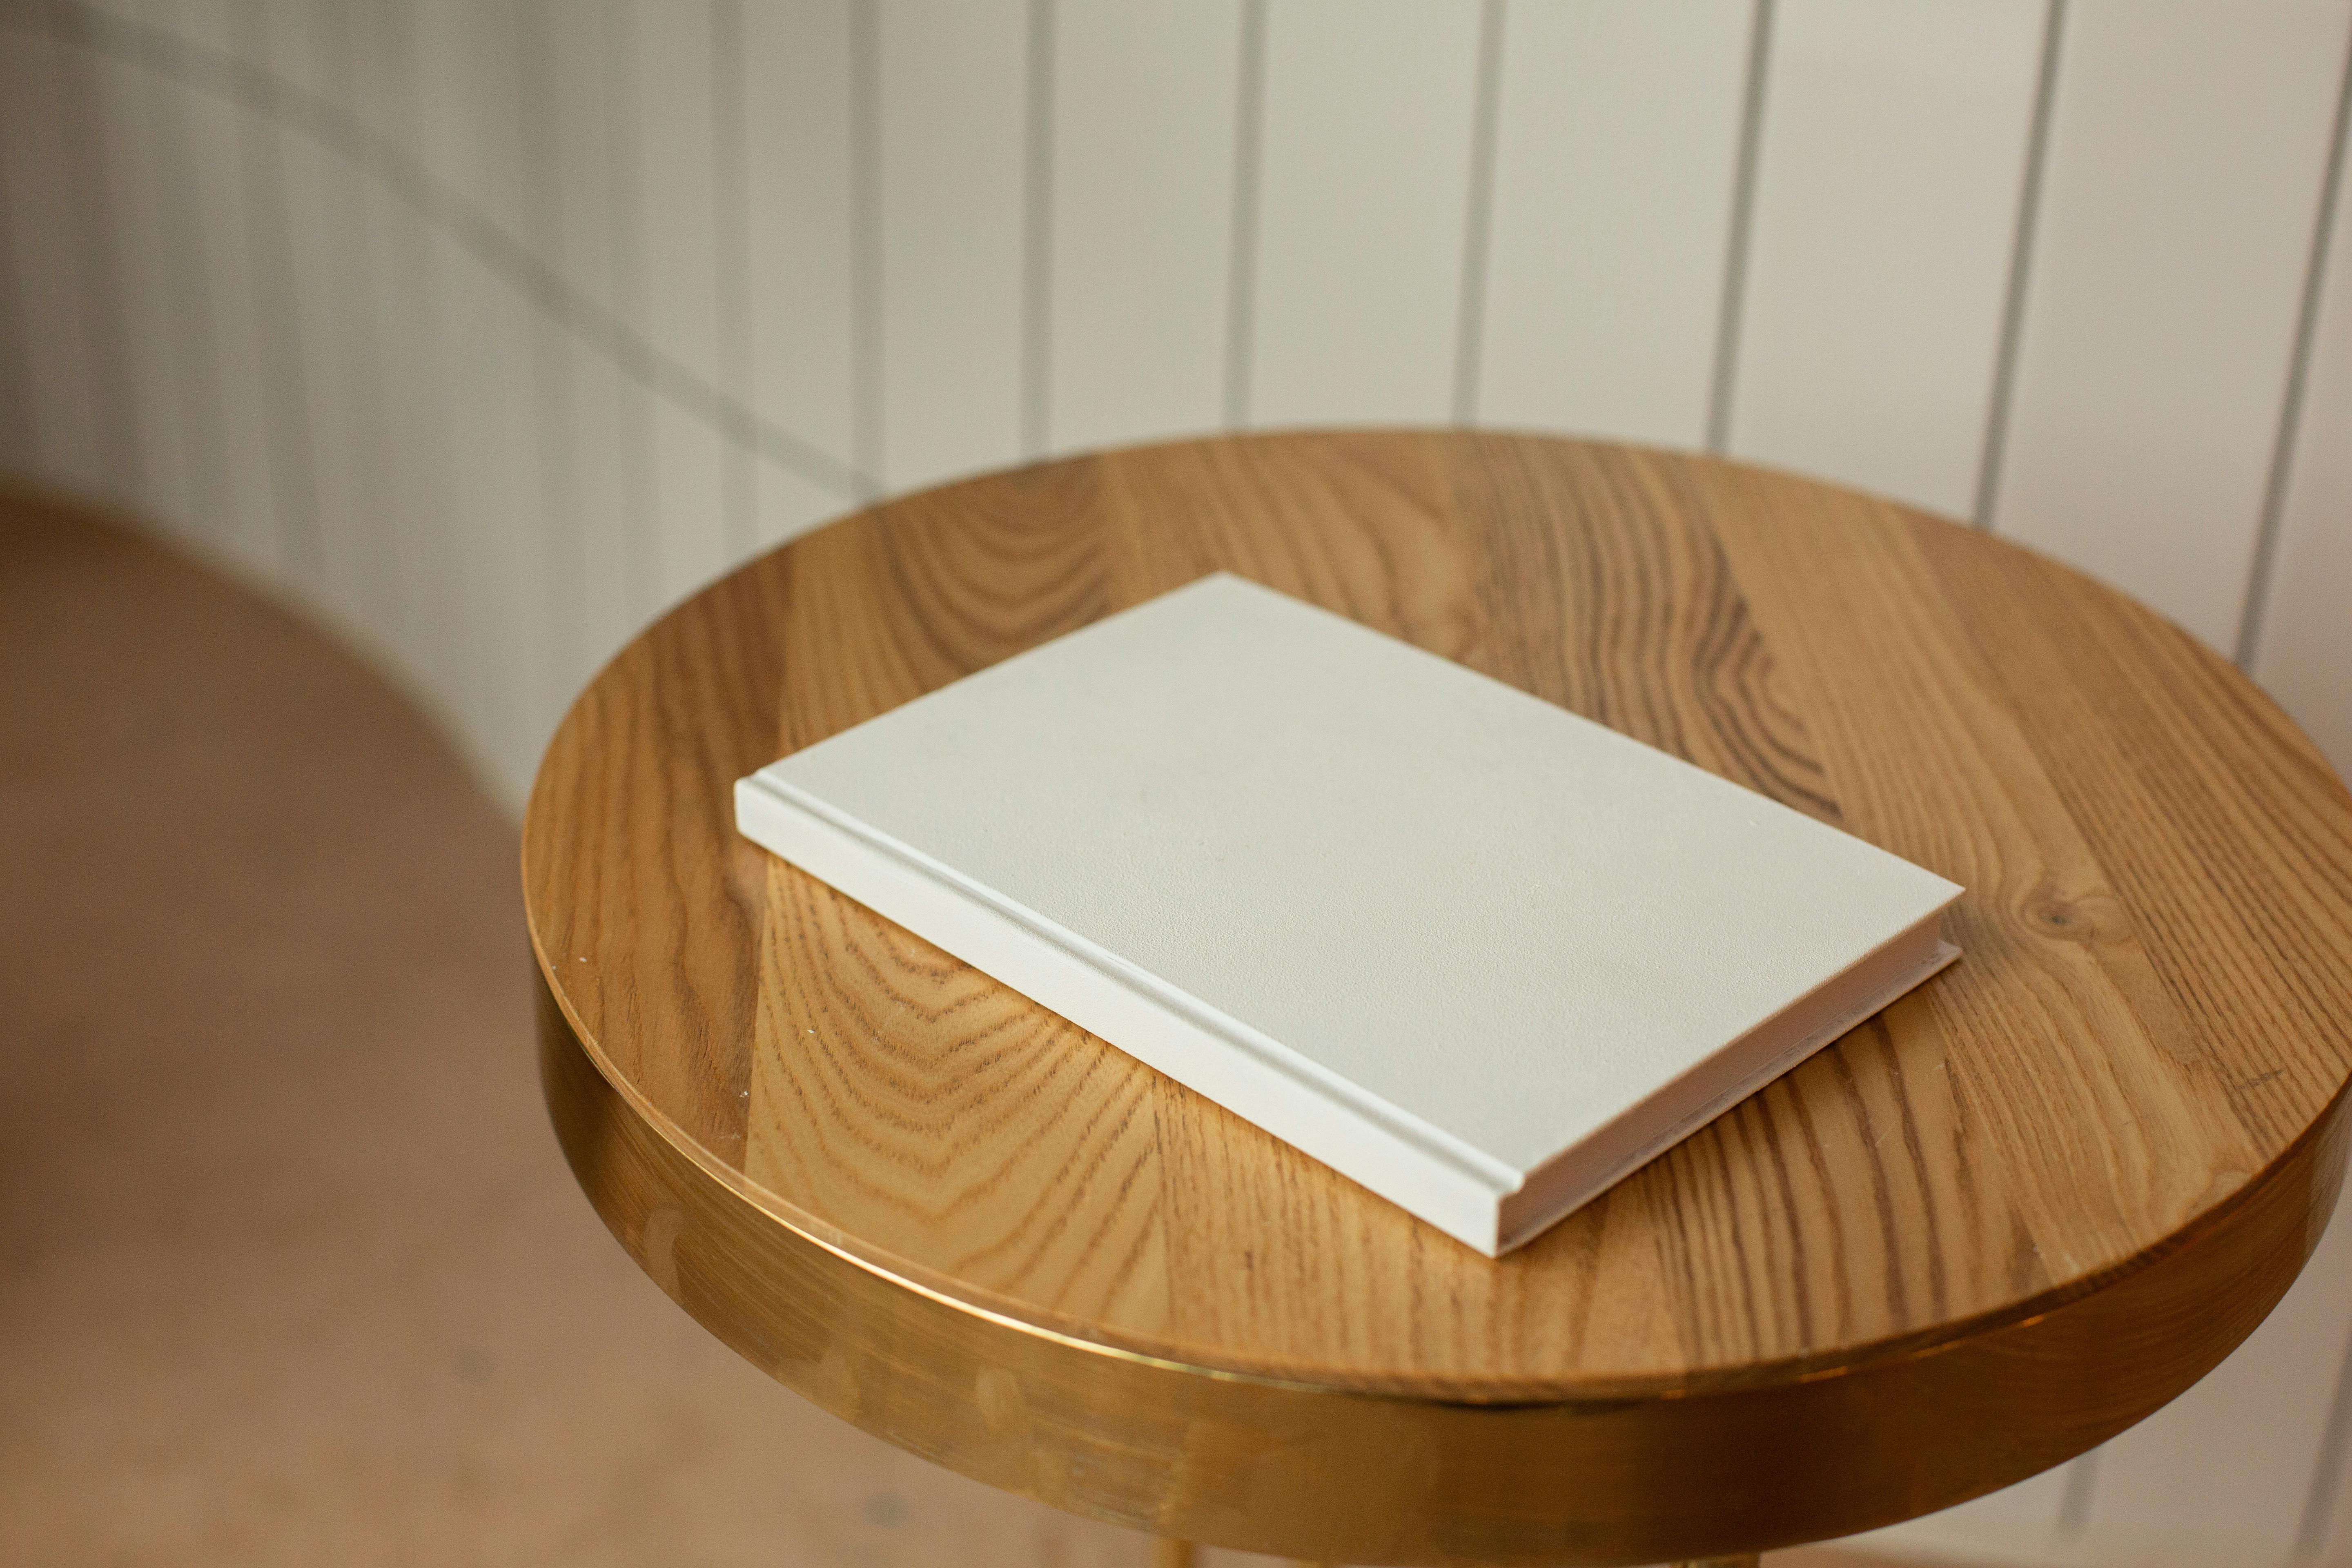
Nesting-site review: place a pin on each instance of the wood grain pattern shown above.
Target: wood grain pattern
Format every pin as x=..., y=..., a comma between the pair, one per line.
x=2146, y=1042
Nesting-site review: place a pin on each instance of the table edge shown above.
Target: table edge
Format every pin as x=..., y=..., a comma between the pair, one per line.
x=1603, y=1471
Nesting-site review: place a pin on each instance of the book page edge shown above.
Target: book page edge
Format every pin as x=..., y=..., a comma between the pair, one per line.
x=1518, y=1228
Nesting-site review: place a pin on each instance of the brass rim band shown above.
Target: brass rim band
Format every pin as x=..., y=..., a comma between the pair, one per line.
x=1347, y=1476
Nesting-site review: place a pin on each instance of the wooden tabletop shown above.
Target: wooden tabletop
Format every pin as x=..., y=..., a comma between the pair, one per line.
x=2026, y=1205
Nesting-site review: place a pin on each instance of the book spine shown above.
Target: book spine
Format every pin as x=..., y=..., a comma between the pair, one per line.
x=1454, y=1188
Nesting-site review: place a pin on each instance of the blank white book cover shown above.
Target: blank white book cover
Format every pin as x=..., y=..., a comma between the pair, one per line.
x=1479, y=954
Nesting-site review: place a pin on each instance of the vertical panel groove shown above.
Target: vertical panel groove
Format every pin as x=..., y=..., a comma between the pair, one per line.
x=1037, y=235
x=195, y=356
x=560, y=544
x=640, y=480
x=294, y=481
x=2021, y=262
x=1603, y=274
x=35, y=161
x=1743, y=218
x=1241, y=284
x=1478, y=219
x=732, y=257
x=1142, y=207
x=866, y=245
x=2266, y=529
x=372, y=433
x=454, y=643
x=98, y=252
x=2187, y=148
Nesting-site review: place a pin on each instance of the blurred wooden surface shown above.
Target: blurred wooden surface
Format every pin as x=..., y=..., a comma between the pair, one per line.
x=2142, y=1050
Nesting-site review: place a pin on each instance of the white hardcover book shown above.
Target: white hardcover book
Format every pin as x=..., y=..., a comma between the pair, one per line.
x=1479, y=954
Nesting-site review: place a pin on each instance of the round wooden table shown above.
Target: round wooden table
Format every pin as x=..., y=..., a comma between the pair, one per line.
x=2020, y=1210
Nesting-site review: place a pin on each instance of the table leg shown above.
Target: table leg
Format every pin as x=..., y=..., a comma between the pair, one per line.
x=1168, y=1553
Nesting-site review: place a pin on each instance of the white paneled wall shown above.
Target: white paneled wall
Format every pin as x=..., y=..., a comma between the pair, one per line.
x=1892, y=148
x=1617, y=146
x=2187, y=147
x=486, y=328
x=2294, y=635
x=1144, y=133
x=953, y=82
x=802, y=285
x=1361, y=211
